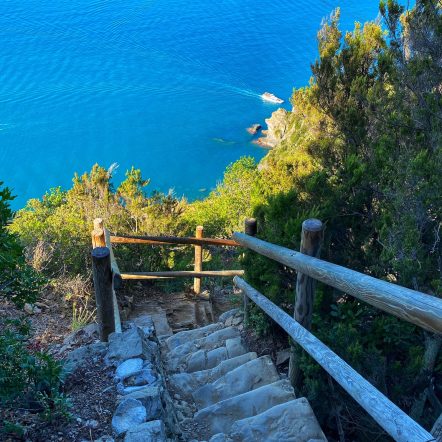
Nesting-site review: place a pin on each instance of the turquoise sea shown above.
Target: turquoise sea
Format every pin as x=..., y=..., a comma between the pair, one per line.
x=167, y=86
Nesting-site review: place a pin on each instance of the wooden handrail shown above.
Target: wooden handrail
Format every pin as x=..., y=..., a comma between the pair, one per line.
x=412, y=306
x=115, y=270
x=389, y=416
x=181, y=274
x=161, y=240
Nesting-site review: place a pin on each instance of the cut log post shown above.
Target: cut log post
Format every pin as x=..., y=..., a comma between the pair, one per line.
x=102, y=272
x=311, y=239
x=98, y=237
x=198, y=260
x=250, y=228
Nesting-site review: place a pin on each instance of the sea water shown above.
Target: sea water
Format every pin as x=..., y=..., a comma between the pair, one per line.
x=167, y=86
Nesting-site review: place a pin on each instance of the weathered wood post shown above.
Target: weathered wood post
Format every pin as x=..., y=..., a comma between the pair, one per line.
x=98, y=236
x=198, y=260
x=311, y=240
x=102, y=272
x=250, y=228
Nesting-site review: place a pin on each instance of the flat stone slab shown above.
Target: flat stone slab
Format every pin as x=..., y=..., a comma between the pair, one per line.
x=182, y=353
x=293, y=421
x=150, y=397
x=153, y=431
x=128, y=368
x=129, y=413
x=191, y=335
x=218, y=418
x=125, y=345
x=77, y=357
x=186, y=383
x=253, y=374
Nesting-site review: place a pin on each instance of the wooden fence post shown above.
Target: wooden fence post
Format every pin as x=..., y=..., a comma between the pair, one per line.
x=198, y=260
x=311, y=240
x=250, y=228
x=102, y=271
x=98, y=237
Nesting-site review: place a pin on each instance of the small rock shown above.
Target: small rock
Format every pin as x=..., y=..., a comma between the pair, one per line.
x=125, y=345
x=180, y=416
x=237, y=320
x=81, y=354
x=177, y=396
x=31, y=309
x=143, y=377
x=253, y=129
x=282, y=356
x=150, y=397
x=128, y=368
x=153, y=431
x=91, y=423
x=105, y=438
x=228, y=314
x=129, y=413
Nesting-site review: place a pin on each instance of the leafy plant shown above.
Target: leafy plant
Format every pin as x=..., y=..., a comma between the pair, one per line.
x=29, y=379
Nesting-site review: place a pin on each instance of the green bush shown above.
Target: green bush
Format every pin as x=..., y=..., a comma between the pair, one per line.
x=29, y=379
x=18, y=281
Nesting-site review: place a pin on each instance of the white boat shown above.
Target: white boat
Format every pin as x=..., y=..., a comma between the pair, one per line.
x=267, y=96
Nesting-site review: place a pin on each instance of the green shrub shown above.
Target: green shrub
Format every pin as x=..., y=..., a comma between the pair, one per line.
x=18, y=281
x=29, y=379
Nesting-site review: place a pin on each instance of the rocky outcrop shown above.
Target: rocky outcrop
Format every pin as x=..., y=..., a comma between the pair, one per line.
x=254, y=129
x=278, y=127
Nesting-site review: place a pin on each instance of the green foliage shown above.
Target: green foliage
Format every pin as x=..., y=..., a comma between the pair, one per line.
x=56, y=228
x=233, y=200
x=18, y=282
x=29, y=379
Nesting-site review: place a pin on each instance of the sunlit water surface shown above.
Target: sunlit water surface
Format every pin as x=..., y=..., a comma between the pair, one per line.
x=166, y=86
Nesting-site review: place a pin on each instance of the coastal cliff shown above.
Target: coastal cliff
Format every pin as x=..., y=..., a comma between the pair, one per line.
x=278, y=128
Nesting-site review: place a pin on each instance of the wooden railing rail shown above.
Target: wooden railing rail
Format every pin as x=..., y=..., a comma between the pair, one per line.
x=412, y=306
x=181, y=274
x=390, y=417
x=101, y=237
x=162, y=240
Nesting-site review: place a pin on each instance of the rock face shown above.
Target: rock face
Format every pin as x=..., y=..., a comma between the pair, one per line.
x=278, y=128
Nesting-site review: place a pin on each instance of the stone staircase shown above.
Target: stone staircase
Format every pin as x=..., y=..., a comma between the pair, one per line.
x=222, y=392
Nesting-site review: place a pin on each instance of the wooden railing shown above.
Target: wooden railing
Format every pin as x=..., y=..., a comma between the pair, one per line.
x=108, y=277
x=415, y=307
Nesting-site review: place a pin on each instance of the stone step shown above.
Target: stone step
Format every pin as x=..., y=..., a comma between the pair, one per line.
x=179, y=355
x=247, y=377
x=219, y=417
x=186, y=383
x=206, y=359
x=191, y=335
x=292, y=421
x=159, y=320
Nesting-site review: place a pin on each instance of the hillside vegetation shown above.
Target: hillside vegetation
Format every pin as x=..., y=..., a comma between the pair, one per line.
x=362, y=151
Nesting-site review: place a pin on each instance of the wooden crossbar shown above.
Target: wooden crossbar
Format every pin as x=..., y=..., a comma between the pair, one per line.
x=162, y=240
x=412, y=306
x=180, y=274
